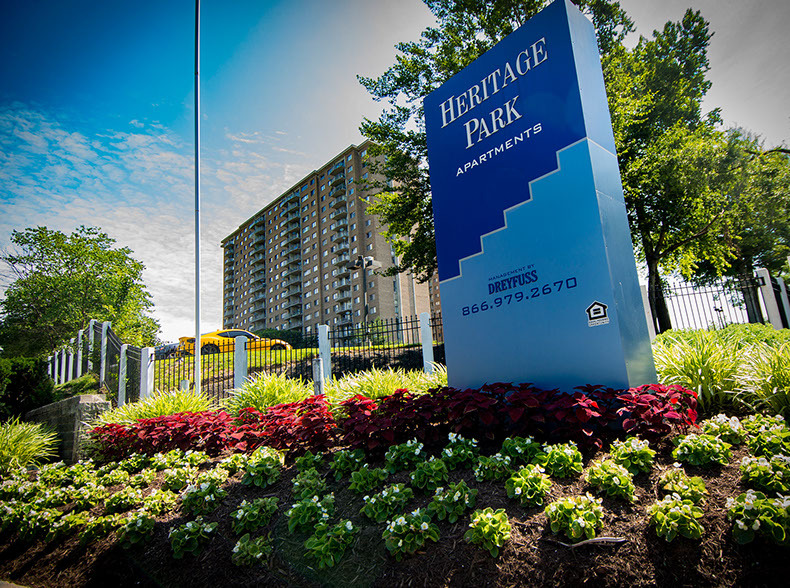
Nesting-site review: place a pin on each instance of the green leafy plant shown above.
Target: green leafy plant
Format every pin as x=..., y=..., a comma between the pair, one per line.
x=428, y=475
x=113, y=477
x=376, y=383
x=633, y=454
x=578, y=517
x=522, y=450
x=87, y=496
x=125, y=499
x=159, y=501
x=612, y=479
x=260, y=391
x=251, y=552
x=263, y=468
x=306, y=513
x=137, y=527
x=23, y=444
x=459, y=451
x=167, y=460
x=308, y=483
x=142, y=479
x=100, y=527
x=765, y=377
x=134, y=463
x=769, y=474
x=756, y=423
x=386, y=503
x=328, y=544
x=563, y=460
x=529, y=485
x=190, y=537
x=176, y=479
x=235, y=462
x=408, y=533
x=404, y=456
x=308, y=461
x=726, y=428
x=250, y=516
x=202, y=497
x=701, y=450
x=453, y=502
x=753, y=514
x=495, y=468
x=158, y=404
x=489, y=528
x=346, y=461
x=366, y=479
x=675, y=481
x=674, y=515
x=194, y=457
x=66, y=525
x=771, y=441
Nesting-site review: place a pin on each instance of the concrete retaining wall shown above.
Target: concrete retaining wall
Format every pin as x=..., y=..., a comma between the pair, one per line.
x=68, y=419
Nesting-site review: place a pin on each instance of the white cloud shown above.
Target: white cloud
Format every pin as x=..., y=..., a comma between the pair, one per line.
x=136, y=184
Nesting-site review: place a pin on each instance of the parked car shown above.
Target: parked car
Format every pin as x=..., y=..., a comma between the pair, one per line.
x=166, y=351
x=224, y=340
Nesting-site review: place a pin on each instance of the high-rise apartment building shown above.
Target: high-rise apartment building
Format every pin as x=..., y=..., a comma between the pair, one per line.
x=294, y=264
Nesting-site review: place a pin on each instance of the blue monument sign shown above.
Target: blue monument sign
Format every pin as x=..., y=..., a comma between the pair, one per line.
x=536, y=268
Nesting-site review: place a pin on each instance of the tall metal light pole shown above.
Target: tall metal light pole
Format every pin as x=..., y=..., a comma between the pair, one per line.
x=197, y=198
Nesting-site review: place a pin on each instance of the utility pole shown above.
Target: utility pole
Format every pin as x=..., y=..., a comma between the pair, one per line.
x=198, y=373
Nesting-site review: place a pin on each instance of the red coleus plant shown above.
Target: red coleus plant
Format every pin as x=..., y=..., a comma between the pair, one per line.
x=654, y=410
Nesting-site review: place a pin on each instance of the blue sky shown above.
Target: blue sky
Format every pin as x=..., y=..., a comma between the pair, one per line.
x=96, y=111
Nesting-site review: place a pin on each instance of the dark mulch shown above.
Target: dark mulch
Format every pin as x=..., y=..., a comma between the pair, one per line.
x=531, y=558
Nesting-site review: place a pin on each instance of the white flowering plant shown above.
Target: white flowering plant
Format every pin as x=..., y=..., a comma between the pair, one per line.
x=498, y=467
x=490, y=529
x=250, y=516
x=137, y=527
x=404, y=456
x=308, y=461
x=701, y=450
x=262, y=469
x=770, y=441
x=769, y=474
x=112, y=477
x=190, y=537
x=142, y=479
x=328, y=544
x=578, y=517
x=346, y=461
x=366, y=479
x=85, y=497
x=523, y=450
x=612, y=479
x=251, y=552
x=529, y=485
x=563, y=460
x=123, y=500
x=67, y=524
x=100, y=527
x=726, y=428
x=135, y=463
x=308, y=483
x=195, y=458
x=202, y=497
x=308, y=512
x=676, y=481
x=235, y=462
x=409, y=532
x=459, y=451
x=158, y=502
x=756, y=423
x=754, y=514
x=386, y=503
x=633, y=454
x=169, y=459
x=451, y=503
x=429, y=475
x=177, y=478
x=674, y=515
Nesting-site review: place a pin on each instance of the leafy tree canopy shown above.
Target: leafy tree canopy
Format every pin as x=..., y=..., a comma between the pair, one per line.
x=59, y=282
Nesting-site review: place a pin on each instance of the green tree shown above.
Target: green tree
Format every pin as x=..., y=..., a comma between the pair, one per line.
x=59, y=282
x=466, y=29
x=676, y=167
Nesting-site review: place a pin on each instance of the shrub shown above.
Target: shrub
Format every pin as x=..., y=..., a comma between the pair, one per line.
x=653, y=410
x=703, y=362
x=23, y=444
x=377, y=383
x=260, y=391
x=159, y=404
x=24, y=385
x=765, y=378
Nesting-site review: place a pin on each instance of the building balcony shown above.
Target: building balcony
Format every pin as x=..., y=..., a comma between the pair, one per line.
x=293, y=280
x=293, y=290
x=338, y=179
x=342, y=271
x=292, y=237
x=344, y=296
x=340, y=236
x=341, y=260
x=338, y=191
x=344, y=320
x=293, y=269
x=339, y=213
x=293, y=303
x=340, y=166
x=343, y=284
x=341, y=223
x=292, y=259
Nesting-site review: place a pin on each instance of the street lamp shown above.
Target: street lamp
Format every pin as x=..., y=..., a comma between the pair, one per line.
x=363, y=263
